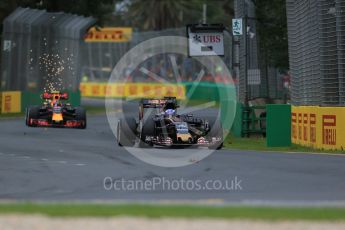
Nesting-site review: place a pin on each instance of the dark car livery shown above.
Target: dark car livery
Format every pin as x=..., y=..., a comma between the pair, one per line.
x=160, y=124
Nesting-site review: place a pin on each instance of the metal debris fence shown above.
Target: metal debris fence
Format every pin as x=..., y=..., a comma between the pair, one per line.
x=42, y=50
x=270, y=85
x=316, y=32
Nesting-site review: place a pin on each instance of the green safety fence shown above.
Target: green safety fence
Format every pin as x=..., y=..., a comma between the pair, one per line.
x=237, y=127
x=249, y=120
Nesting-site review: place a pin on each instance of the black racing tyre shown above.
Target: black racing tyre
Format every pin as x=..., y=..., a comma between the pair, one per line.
x=80, y=115
x=216, y=130
x=32, y=112
x=148, y=129
x=126, y=132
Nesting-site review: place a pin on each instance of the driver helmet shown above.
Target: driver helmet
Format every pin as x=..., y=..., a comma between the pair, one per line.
x=169, y=112
x=57, y=104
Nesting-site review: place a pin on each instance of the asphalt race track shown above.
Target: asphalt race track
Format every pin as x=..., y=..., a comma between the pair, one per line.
x=71, y=164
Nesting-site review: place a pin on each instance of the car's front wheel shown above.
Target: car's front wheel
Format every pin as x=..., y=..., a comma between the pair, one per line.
x=32, y=112
x=148, y=130
x=80, y=115
x=216, y=131
x=126, y=132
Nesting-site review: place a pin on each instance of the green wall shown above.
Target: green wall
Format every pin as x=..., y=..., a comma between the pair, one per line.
x=278, y=125
x=236, y=129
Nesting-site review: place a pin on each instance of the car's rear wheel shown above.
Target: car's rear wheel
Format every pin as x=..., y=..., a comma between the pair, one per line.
x=80, y=115
x=126, y=132
x=32, y=112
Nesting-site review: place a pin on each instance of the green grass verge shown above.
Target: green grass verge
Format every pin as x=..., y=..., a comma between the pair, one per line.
x=178, y=211
x=259, y=144
x=94, y=110
x=198, y=103
x=11, y=115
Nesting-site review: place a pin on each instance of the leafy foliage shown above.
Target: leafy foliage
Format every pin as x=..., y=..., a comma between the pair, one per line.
x=162, y=14
x=140, y=14
x=98, y=9
x=272, y=29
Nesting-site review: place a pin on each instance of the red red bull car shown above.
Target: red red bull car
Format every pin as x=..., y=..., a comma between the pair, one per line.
x=55, y=112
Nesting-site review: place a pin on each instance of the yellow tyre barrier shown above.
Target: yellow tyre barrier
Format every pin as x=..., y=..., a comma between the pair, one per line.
x=132, y=90
x=11, y=102
x=318, y=127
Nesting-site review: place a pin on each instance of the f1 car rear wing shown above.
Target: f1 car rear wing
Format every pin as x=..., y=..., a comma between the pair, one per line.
x=157, y=103
x=55, y=95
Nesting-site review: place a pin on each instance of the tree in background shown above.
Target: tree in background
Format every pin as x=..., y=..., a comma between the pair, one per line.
x=141, y=14
x=146, y=15
x=272, y=28
x=98, y=9
x=157, y=14
x=162, y=14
